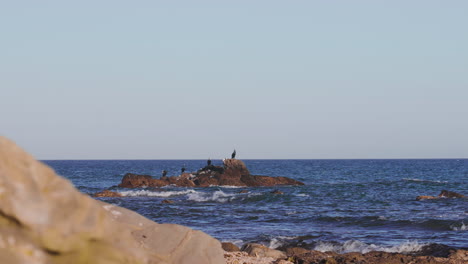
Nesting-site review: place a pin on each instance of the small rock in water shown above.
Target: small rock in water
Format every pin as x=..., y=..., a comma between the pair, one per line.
x=107, y=193
x=277, y=192
x=167, y=202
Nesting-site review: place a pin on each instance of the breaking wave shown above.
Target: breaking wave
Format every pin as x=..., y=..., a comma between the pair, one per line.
x=463, y=227
x=217, y=196
x=361, y=247
x=156, y=193
x=421, y=180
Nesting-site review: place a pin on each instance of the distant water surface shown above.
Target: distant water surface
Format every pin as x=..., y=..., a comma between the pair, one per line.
x=346, y=205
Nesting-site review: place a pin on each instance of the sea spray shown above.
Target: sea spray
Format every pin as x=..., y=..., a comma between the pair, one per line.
x=157, y=193
x=361, y=247
x=217, y=196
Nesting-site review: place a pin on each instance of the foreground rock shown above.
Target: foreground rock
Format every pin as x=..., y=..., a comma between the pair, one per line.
x=443, y=194
x=44, y=219
x=232, y=173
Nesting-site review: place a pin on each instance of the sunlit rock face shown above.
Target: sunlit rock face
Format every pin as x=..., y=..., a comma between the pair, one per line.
x=44, y=219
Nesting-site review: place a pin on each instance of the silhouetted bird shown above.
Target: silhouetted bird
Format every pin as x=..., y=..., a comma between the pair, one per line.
x=208, y=162
x=183, y=169
x=233, y=155
x=164, y=173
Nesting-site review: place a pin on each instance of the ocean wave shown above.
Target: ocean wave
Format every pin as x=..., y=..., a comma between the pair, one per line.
x=463, y=227
x=361, y=247
x=217, y=196
x=237, y=242
x=157, y=193
x=421, y=180
x=279, y=241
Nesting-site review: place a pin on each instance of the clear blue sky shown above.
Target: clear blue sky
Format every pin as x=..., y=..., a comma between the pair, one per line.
x=273, y=79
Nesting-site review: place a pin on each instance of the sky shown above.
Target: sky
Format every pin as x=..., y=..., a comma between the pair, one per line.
x=271, y=79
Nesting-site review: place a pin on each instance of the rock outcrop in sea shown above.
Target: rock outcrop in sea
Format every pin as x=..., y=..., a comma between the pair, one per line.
x=44, y=219
x=232, y=173
x=443, y=194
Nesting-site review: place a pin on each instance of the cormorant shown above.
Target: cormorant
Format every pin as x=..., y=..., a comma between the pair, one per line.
x=208, y=162
x=164, y=173
x=183, y=168
x=233, y=155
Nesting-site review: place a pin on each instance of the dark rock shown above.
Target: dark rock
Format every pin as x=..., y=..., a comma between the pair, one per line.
x=167, y=201
x=230, y=247
x=277, y=192
x=435, y=250
x=449, y=194
x=243, y=191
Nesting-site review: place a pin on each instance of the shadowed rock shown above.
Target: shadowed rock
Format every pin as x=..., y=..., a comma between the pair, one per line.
x=230, y=247
x=233, y=173
x=44, y=219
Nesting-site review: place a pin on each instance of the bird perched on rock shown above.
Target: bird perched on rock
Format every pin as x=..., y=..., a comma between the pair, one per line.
x=208, y=162
x=183, y=169
x=164, y=173
x=233, y=155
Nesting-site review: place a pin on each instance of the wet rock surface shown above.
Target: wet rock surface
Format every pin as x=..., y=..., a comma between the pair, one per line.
x=232, y=173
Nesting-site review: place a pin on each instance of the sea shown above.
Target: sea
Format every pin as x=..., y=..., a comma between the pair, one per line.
x=344, y=206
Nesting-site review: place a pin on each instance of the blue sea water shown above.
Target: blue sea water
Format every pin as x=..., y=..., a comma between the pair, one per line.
x=345, y=205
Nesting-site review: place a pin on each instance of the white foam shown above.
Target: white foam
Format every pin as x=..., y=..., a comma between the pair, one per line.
x=361, y=247
x=217, y=196
x=236, y=242
x=278, y=241
x=156, y=193
x=421, y=180
x=302, y=195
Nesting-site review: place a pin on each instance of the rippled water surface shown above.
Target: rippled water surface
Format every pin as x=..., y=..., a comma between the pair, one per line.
x=346, y=205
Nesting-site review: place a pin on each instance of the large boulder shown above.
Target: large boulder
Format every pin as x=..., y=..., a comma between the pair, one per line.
x=44, y=219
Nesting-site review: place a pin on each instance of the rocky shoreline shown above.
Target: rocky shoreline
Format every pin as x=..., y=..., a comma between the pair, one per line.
x=258, y=254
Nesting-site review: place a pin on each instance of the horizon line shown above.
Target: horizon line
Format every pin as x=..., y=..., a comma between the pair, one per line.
x=269, y=159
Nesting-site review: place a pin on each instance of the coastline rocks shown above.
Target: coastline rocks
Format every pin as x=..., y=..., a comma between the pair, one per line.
x=107, y=193
x=233, y=173
x=449, y=194
x=313, y=257
x=230, y=247
x=258, y=250
x=443, y=194
x=44, y=219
